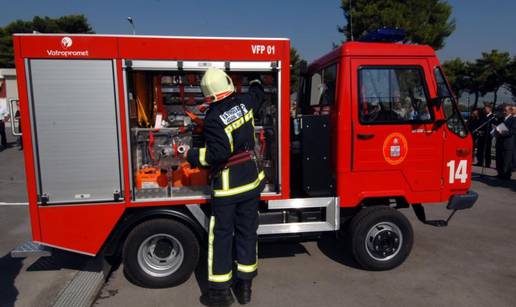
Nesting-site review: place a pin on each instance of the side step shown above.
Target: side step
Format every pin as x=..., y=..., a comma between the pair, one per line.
x=329, y=205
x=331, y=222
x=31, y=248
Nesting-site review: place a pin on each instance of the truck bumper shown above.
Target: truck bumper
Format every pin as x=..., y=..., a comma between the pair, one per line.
x=463, y=201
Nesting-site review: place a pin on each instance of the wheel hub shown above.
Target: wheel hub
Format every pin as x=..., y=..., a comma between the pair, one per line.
x=383, y=241
x=160, y=255
x=163, y=248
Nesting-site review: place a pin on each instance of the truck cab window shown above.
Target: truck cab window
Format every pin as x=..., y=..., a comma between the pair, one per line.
x=316, y=88
x=393, y=96
x=330, y=85
x=454, y=120
x=323, y=86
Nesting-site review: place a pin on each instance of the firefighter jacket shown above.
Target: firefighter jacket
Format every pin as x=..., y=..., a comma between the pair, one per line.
x=229, y=132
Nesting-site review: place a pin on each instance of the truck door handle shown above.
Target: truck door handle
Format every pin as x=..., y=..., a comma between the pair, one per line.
x=365, y=136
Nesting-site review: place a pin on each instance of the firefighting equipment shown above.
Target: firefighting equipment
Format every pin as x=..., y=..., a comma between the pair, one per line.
x=163, y=179
x=141, y=96
x=158, y=97
x=185, y=175
x=147, y=178
x=152, y=154
x=262, y=143
x=216, y=85
x=191, y=100
x=182, y=150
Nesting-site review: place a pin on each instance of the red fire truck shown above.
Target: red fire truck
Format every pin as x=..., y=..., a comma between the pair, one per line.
x=375, y=128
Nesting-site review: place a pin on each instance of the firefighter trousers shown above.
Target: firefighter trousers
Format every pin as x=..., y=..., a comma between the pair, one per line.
x=232, y=225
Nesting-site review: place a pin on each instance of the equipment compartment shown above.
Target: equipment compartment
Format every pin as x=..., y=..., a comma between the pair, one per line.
x=166, y=114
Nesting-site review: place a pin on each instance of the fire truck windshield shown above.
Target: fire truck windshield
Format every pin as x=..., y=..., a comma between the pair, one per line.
x=454, y=119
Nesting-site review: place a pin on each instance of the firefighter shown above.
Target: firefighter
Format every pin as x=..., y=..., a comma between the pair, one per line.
x=236, y=182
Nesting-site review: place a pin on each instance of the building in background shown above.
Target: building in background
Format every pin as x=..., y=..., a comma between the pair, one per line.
x=8, y=86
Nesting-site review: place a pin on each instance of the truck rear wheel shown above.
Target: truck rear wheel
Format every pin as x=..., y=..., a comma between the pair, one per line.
x=160, y=253
x=381, y=238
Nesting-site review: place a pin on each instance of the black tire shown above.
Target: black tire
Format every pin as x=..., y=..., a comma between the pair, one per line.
x=381, y=238
x=175, y=239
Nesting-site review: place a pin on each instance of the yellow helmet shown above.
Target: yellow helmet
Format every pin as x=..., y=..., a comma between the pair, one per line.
x=216, y=85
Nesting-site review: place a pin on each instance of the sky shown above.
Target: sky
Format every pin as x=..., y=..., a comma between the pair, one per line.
x=311, y=25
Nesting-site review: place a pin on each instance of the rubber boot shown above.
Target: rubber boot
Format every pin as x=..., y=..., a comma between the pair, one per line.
x=242, y=290
x=217, y=298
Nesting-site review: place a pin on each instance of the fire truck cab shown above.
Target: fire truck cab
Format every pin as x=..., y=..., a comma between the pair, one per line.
x=375, y=128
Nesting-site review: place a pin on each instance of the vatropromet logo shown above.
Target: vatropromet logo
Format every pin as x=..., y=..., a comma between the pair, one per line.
x=66, y=42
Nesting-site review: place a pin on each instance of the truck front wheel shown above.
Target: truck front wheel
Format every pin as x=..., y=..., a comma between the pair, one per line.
x=160, y=253
x=381, y=238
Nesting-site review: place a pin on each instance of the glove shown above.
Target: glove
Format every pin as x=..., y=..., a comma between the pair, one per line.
x=254, y=78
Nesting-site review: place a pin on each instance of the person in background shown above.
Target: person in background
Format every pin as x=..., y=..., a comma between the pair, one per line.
x=4, y=117
x=514, y=138
x=17, y=116
x=425, y=114
x=411, y=112
x=473, y=124
x=399, y=109
x=504, y=143
x=485, y=139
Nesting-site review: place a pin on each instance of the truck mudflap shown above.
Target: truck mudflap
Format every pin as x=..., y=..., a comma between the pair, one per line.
x=456, y=202
x=463, y=201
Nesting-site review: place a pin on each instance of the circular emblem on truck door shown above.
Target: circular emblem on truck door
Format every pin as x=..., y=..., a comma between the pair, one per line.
x=66, y=42
x=395, y=148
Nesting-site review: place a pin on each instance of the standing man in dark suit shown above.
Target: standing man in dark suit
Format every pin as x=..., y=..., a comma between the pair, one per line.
x=505, y=143
x=474, y=123
x=4, y=117
x=485, y=139
x=514, y=138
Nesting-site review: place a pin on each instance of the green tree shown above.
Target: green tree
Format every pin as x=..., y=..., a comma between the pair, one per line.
x=493, y=72
x=511, y=80
x=473, y=84
x=426, y=22
x=456, y=74
x=464, y=77
x=64, y=24
x=295, y=61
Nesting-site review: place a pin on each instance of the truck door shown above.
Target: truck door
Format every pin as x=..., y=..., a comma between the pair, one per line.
x=394, y=138
x=73, y=106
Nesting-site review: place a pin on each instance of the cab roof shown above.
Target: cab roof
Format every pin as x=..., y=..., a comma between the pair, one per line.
x=375, y=50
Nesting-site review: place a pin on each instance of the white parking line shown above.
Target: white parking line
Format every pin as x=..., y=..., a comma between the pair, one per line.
x=13, y=204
